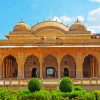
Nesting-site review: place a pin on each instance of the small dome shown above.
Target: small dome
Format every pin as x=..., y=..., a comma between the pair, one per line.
x=77, y=26
x=21, y=26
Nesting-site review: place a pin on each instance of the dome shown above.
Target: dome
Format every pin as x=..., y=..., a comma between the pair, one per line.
x=21, y=26
x=49, y=25
x=77, y=26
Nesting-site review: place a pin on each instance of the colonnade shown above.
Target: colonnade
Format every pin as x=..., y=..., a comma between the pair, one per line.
x=87, y=67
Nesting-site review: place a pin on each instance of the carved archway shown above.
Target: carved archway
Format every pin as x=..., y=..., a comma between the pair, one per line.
x=50, y=62
x=68, y=62
x=10, y=67
x=31, y=63
x=90, y=67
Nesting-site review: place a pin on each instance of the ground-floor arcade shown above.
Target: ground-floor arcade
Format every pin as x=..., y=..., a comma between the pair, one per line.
x=49, y=63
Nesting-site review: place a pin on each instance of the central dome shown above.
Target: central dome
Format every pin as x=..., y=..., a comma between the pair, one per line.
x=77, y=26
x=49, y=25
x=21, y=26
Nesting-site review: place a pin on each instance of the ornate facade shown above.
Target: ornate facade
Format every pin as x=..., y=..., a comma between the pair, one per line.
x=50, y=50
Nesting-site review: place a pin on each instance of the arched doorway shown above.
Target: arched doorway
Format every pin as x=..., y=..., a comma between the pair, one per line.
x=50, y=72
x=34, y=72
x=50, y=67
x=66, y=72
x=31, y=67
x=90, y=67
x=68, y=66
x=10, y=67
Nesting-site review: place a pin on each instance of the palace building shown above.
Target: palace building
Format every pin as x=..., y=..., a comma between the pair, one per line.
x=50, y=50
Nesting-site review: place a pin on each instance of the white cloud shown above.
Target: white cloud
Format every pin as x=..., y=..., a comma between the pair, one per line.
x=66, y=19
x=62, y=19
x=93, y=19
x=94, y=29
x=95, y=0
x=94, y=15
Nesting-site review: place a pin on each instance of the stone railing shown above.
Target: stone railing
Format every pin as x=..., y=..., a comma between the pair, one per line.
x=24, y=82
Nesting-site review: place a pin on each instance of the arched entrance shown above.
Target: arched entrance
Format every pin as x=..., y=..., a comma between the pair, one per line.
x=50, y=67
x=34, y=72
x=50, y=72
x=68, y=66
x=66, y=72
x=90, y=67
x=10, y=67
x=31, y=67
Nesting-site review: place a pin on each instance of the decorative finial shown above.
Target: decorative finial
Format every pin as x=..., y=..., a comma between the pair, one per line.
x=62, y=22
x=67, y=25
x=77, y=20
x=56, y=20
x=21, y=21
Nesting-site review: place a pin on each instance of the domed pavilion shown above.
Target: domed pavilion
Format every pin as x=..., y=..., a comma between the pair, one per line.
x=50, y=50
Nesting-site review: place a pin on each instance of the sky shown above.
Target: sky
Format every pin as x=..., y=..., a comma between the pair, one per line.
x=33, y=11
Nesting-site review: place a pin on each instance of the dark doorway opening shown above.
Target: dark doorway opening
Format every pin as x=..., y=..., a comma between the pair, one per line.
x=66, y=72
x=34, y=72
x=50, y=72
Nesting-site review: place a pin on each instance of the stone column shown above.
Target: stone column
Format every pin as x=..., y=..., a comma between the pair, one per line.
x=59, y=72
x=98, y=59
x=1, y=70
x=20, y=61
x=93, y=67
x=41, y=63
x=11, y=67
x=6, y=65
x=79, y=66
x=8, y=69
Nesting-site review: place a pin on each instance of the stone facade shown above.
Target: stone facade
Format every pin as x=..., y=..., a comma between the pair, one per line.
x=50, y=50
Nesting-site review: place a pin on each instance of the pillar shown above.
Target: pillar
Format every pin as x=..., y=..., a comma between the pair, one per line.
x=98, y=64
x=93, y=66
x=8, y=68
x=79, y=66
x=11, y=66
x=59, y=72
x=1, y=70
x=20, y=62
x=6, y=63
x=41, y=69
x=41, y=63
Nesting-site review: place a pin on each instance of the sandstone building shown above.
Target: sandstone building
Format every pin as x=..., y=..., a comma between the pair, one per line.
x=50, y=50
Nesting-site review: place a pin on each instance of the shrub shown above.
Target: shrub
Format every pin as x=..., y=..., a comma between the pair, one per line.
x=78, y=88
x=38, y=95
x=21, y=94
x=34, y=85
x=97, y=94
x=6, y=94
x=90, y=96
x=66, y=85
x=56, y=95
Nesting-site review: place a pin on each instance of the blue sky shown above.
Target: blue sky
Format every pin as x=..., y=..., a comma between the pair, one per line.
x=31, y=11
